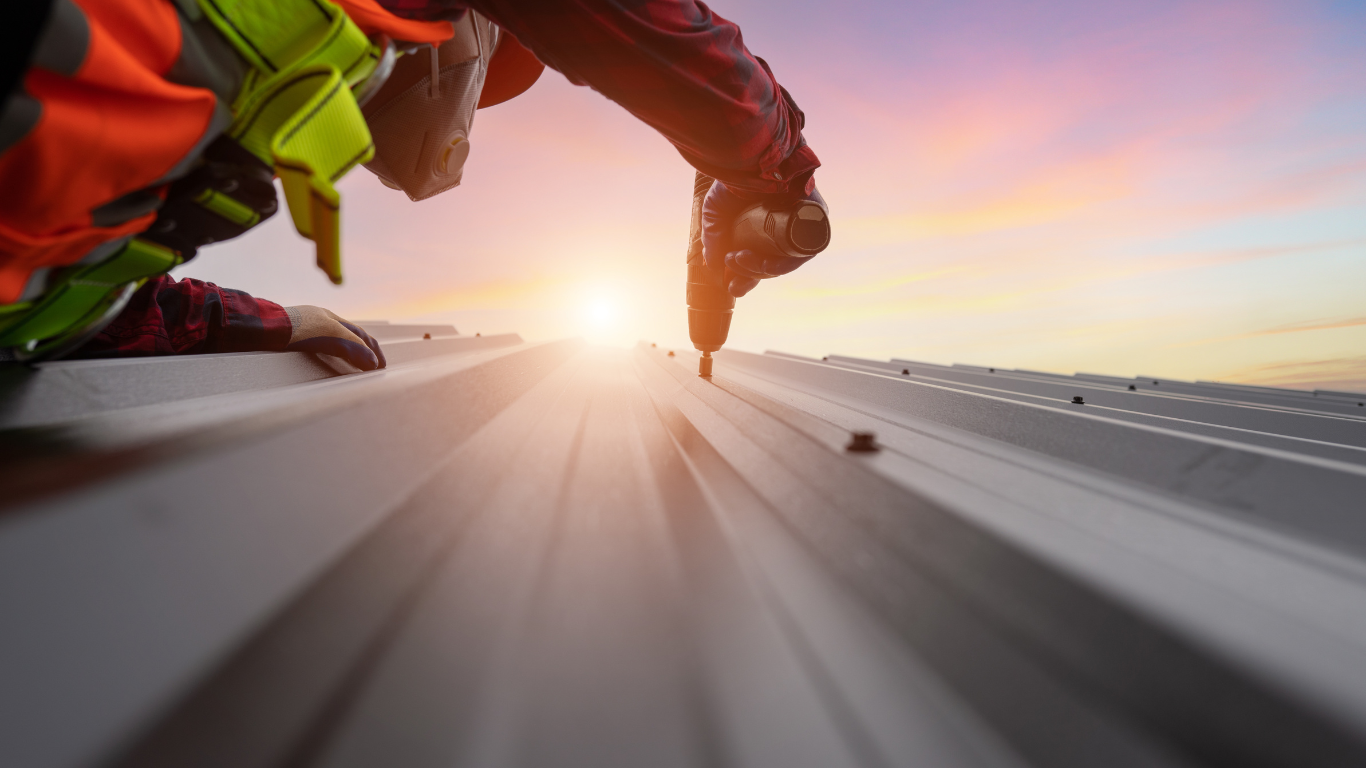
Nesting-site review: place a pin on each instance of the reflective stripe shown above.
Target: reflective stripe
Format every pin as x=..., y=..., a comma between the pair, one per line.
x=206, y=60
x=126, y=208
x=65, y=39
x=22, y=112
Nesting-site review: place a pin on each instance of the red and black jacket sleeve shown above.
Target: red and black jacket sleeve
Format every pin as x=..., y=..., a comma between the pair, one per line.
x=169, y=317
x=674, y=64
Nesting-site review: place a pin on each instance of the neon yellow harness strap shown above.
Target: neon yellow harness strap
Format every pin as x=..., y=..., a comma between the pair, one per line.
x=297, y=111
x=84, y=292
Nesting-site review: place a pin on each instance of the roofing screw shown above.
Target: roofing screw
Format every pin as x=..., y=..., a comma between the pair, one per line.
x=905, y=371
x=1154, y=383
x=426, y=336
x=476, y=335
x=652, y=345
x=825, y=358
x=1077, y=400
x=991, y=370
x=671, y=353
x=862, y=442
x=1132, y=388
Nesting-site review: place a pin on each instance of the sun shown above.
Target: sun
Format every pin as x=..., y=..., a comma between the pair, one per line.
x=601, y=313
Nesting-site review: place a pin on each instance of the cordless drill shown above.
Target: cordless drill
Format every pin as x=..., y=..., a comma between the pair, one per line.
x=799, y=229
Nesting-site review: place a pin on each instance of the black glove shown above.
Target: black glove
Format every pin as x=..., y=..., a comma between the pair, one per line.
x=744, y=268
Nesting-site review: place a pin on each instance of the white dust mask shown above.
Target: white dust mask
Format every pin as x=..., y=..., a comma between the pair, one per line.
x=422, y=133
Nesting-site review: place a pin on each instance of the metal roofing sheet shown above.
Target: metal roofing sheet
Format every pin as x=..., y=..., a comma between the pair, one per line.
x=549, y=554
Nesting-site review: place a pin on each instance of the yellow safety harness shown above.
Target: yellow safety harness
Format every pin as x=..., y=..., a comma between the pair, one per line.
x=296, y=111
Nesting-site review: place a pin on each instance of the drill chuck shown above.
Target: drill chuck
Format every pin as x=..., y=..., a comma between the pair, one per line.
x=709, y=303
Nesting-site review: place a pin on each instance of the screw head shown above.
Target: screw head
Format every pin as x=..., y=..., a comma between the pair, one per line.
x=862, y=442
x=426, y=336
x=991, y=370
x=1078, y=400
x=905, y=371
x=671, y=353
x=1132, y=388
x=1154, y=383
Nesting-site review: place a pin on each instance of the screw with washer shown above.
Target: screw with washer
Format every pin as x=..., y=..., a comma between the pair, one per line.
x=1077, y=400
x=905, y=371
x=862, y=442
x=426, y=336
x=1132, y=388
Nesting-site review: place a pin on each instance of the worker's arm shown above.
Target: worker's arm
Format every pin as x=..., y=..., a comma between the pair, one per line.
x=166, y=317
x=685, y=71
x=675, y=65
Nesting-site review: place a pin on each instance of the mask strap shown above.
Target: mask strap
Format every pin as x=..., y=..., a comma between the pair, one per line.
x=478, y=41
x=435, y=90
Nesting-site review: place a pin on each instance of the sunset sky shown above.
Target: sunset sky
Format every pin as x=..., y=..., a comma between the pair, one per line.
x=1173, y=188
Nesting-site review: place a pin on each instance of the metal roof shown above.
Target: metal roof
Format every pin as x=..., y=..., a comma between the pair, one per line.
x=498, y=553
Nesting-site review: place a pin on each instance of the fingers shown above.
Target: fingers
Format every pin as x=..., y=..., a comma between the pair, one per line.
x=369, y=342
x=739, y=286
x=352, y=350
x=751, y=264
x=719, y=209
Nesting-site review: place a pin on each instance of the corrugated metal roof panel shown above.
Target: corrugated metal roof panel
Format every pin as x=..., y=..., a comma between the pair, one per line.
x=549, y=554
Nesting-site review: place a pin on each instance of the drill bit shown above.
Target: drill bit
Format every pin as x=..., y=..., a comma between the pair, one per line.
x=704, y=365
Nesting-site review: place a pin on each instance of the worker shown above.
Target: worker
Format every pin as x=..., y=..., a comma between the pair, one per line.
x=134, y=132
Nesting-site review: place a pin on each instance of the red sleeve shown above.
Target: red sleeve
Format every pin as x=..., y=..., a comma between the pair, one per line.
x=675, y=65
x=166, y=317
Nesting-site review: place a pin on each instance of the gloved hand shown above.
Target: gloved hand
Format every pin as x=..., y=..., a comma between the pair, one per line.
x=319, y=331
x=744, y=268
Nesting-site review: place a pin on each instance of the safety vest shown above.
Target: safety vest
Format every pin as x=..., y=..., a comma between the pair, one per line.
x=283, y=101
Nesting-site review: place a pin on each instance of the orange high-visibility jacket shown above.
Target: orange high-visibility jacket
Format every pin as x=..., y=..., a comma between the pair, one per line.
x=119, y=99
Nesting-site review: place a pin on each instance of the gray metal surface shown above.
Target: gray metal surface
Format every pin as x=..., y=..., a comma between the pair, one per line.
x=503, y=554
x=56, y=392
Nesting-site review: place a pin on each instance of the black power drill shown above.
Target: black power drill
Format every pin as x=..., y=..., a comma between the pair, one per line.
x=800, y=229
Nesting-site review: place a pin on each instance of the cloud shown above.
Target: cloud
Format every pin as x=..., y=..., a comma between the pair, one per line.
x=1310, y=326
x=1343, y=374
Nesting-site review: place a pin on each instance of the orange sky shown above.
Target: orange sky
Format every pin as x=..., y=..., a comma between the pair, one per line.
x=1162, y=188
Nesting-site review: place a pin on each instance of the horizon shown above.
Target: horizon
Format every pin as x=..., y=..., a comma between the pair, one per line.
x=1171, y=189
